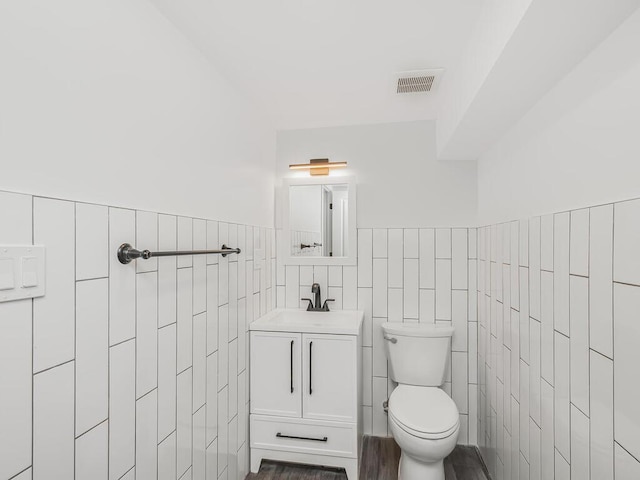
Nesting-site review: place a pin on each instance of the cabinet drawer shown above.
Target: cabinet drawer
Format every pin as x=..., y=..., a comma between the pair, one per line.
x=304, y=436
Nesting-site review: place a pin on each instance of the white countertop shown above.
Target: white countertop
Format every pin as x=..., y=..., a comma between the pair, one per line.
x=339, y=322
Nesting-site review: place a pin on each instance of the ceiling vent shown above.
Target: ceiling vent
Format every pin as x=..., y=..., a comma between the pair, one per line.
x=417, y=81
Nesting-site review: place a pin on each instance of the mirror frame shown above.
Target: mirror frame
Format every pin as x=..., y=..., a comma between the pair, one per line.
x=352, y=231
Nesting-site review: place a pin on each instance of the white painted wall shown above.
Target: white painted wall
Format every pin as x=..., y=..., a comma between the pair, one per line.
x=105, y=101
x=400, y=183
x=578, y=146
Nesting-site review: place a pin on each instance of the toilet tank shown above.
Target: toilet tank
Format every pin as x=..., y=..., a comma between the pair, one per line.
x=417, y=353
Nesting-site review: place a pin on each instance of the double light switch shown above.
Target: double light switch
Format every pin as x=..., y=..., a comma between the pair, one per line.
x=21, y=272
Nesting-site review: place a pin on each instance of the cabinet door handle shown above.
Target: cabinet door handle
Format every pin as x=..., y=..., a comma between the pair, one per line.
x=323, y=439
x=310, y=369
x=291, y=366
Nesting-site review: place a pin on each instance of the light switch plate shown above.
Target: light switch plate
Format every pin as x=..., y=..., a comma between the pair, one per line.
x=22, y=270
x=29, y=272
x=7, y=274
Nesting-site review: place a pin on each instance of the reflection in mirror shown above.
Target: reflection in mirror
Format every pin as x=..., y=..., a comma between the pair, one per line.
x=318, y=220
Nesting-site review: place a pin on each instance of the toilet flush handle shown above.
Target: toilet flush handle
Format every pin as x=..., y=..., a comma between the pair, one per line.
x=391, y=339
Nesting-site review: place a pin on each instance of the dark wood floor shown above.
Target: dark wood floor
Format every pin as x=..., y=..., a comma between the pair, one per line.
x=380, y=457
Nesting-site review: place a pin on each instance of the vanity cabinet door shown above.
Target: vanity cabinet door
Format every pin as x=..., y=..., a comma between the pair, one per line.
x=330, y=380
x=275, y=371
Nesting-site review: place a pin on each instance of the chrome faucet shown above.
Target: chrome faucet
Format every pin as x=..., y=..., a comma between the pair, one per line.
x=315, y=289
x=318, y=306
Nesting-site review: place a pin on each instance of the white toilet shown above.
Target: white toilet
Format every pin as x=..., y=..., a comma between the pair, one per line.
x=423, y=419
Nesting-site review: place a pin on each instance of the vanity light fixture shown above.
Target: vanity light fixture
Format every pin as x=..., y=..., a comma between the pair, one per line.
x=318, y=166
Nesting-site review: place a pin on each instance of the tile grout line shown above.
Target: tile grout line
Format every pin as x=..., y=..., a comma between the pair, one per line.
x=75, y=332
x=33, y=432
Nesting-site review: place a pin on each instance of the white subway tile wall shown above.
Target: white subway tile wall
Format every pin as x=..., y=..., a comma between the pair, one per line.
x=140, y=371
x=124, y=371
x=403, y=275
x=560, y=295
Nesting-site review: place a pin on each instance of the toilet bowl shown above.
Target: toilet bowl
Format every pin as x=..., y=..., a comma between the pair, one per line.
x=423, y=419
x=425, y=423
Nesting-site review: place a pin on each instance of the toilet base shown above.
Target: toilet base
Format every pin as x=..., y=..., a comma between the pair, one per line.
x=412, y=469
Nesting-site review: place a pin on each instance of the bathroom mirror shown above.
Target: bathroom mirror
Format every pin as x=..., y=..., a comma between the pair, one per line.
x=319, y=221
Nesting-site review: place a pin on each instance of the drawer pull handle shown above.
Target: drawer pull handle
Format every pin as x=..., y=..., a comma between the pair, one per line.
x=323, y=439
x=291, y=366
x=391, y=339
x=310, y=369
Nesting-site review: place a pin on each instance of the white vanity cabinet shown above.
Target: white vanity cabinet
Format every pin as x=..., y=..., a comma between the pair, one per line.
x=306, y=393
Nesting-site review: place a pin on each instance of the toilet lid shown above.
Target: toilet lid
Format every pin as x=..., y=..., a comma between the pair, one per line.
x=424, y=411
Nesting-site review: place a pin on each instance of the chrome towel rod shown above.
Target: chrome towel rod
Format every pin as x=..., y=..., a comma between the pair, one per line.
x=126, y=253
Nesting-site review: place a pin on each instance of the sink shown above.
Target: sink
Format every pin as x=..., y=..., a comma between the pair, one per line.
x=340, y=322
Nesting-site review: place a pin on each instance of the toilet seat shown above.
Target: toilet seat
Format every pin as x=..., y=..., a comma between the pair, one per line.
x=424, y=412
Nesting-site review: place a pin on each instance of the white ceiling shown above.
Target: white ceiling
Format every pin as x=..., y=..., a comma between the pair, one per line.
x=516, y=57
x=319, y=63
x=311, y=63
